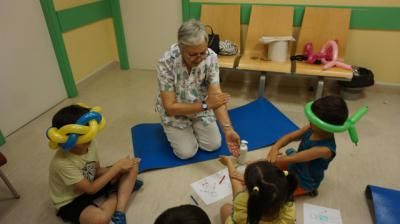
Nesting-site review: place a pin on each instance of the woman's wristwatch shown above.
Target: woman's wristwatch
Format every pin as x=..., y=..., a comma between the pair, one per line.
x=204, y=105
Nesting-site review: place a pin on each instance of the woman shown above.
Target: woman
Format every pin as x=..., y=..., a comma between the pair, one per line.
x=190, y=99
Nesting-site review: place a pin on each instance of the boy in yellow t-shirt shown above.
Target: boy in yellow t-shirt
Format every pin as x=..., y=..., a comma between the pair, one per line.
x=76, y=178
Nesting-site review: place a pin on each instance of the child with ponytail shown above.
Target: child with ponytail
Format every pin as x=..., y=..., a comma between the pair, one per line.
x=265, y=197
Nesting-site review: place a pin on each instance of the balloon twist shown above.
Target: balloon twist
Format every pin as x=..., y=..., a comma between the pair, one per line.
x=349, y=124
x=83, y=131
x=329, y=55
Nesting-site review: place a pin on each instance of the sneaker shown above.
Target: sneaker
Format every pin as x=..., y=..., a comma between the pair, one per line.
x=118, y=218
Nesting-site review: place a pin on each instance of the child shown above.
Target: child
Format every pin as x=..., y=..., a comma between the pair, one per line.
x=77, y=179
x=183, y=214
x=317, y=147
x=266, y=197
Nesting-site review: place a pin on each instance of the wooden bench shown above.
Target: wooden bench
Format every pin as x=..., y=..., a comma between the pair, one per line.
x=320, y=25
x=266, y=21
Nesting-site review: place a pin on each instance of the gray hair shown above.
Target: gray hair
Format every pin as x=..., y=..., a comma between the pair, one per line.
x=192, y=33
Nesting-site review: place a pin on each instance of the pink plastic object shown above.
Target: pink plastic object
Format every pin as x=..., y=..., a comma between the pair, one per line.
x=328, y=55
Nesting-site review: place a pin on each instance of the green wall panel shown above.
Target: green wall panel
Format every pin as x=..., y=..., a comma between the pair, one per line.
x=59, y=22
x=55, y=32
x=82, y=15
x=2, y=138
x=374, y=18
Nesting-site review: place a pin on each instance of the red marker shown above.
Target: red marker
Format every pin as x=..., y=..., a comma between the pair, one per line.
x=222, y=179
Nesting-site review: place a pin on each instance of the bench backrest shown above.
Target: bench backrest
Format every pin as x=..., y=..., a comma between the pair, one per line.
x=267, y=21
x=224, y=19
x=322, y=24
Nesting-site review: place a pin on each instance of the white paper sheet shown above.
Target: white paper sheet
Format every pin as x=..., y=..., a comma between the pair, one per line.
x=214, y=187
x=314, y=214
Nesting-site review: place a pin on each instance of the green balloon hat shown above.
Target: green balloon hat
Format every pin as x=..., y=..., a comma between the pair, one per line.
x=348, y=125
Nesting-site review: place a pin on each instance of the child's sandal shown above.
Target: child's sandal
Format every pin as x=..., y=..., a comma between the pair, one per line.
x=118, y=218
x=313, y=193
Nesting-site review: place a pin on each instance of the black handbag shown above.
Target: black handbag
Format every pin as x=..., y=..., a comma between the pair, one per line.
x=213, y=40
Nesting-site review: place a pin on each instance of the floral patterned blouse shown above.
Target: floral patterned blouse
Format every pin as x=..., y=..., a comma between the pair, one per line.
x=189, y=88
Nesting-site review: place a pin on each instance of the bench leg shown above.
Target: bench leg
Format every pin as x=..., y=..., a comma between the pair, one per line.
x=261, y=84
x=320, y=89
x=7, y=182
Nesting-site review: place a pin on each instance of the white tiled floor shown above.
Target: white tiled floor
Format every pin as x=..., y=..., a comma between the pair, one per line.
x=127, y=98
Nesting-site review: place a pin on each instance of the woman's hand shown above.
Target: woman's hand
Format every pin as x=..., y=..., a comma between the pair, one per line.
x=233, y=142
x=216, y=100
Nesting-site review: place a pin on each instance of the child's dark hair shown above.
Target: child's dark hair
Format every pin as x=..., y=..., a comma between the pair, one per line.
x=269, y=190
x=183, y=214
x=331, y=109
x=68, y=115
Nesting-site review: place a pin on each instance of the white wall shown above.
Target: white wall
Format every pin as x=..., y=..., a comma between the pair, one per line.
x=30, y=81
x=150, y=28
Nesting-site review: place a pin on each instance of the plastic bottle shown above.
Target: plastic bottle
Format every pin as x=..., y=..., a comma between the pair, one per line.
x=243, y=152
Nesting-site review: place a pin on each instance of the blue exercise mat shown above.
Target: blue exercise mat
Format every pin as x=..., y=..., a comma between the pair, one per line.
x=259, y=122
x=385, y=204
